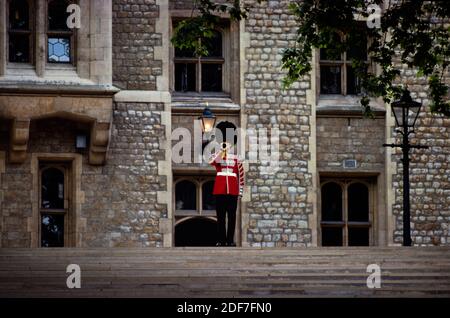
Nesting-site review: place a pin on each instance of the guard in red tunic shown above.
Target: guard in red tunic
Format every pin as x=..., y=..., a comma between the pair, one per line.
x=228, y=186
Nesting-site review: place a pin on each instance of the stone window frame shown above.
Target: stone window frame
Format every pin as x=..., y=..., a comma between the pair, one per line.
x=39, y=29
x=344, y=182
x=71, y=34
x=76, y=225
x=199, y=62
x=92, y=44
x=198, y=181
x=231, y=55
x=343, y=63
x=65, y=168
x=32, y=34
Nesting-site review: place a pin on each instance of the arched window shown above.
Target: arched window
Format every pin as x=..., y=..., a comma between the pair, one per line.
x=59, y=36
x=52, y=189
x=53, y=205
x=185, y=195
x=332, y=214
x=358, y=202
x=200, y=74
x=20, y=31
x=208, y=199
x=225, y=131
x=345, y=215
x=331, y=202
x=194, y=196
x=358, y=214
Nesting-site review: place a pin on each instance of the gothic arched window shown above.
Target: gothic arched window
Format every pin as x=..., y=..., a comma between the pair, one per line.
x=53, y=205
x=345, y=213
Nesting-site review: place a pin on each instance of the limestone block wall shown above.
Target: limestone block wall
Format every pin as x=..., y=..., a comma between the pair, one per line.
x=340, y=138
x=278, y=209
x=118, y=201
x=429, y=172
x=134, y=42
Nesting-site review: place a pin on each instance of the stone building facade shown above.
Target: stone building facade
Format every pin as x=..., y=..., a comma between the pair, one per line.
x=95, y=135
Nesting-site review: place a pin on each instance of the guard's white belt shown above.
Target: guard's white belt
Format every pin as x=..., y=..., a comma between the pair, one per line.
x=225, y=173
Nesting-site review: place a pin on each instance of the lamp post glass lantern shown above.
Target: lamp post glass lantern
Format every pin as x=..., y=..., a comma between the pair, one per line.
x=406, y=111
x=208, y=120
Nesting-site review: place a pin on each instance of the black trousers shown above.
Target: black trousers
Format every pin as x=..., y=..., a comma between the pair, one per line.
x=226, y=206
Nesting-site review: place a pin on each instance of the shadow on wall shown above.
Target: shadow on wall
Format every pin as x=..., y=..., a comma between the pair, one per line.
x=198, y=231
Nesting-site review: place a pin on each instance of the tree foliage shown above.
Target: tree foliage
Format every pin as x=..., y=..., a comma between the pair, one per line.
x=411, y=32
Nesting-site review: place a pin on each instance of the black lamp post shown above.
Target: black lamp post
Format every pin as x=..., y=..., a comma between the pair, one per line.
x=208, y=120
x=406, y=112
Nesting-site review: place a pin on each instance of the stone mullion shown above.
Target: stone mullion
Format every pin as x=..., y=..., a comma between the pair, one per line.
x=345, y=213
x=40, y=34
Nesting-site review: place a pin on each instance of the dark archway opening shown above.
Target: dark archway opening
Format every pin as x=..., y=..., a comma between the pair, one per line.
x=196, y=232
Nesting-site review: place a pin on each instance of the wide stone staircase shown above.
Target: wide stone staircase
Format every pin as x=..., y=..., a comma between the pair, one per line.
x=226, y=272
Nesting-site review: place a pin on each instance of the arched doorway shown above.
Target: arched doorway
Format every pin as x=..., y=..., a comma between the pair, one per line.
x=197, y=231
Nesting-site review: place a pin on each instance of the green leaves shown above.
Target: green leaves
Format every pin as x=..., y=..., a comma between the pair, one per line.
x=188, y=33
x=411, y=33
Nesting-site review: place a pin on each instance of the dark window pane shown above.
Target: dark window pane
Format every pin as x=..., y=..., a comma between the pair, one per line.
x=19, y=15
x=358, y=236
x=211, y=77
x=185, y=78
x=185, y=196
x=358, y=203
x=209, y=200
x=52, y=230
x=184, y=52
x=59, y=50
x=358, y=51
x=353, y=82
x=52, y=189
x=19, y=48
x=332, y=236
x=332, y=53
x=214, y=45
x=196, y=232
x=57, y=15
x=331, y=202
x=330, y=79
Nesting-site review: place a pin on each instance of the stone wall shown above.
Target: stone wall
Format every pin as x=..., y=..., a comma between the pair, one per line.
x=429, y=173
x=278, y=209
x=340, y=138
x=134, y=42
x=16, y=203
x=119, y=198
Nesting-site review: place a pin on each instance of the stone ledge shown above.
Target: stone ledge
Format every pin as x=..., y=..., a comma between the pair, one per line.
x=135, y=96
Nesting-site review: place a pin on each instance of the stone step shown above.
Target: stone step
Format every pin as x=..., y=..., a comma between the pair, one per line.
x=225, y=272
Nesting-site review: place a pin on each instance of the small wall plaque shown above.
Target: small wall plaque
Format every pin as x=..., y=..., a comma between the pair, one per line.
x=349, y=164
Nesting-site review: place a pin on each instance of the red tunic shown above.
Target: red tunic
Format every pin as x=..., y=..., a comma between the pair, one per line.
x=230, y=175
